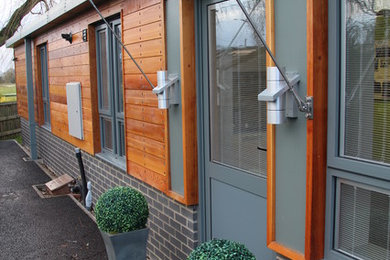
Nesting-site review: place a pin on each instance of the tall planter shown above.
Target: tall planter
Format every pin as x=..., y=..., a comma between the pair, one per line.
x=121, y=215
x=129, y=245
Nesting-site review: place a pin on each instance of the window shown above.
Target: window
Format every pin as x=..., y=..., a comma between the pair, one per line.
x=363, y=223
x=365, y=96
x=110, y=90
x=45, y=84
x=237, y=74
x=359, y=130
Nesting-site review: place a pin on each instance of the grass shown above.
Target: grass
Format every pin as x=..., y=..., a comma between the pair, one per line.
x=19, y=139
x=7, y=89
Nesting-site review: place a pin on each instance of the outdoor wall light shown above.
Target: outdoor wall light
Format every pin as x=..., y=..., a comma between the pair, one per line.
x=67, y=37
x=280, y=99
x=167, y=89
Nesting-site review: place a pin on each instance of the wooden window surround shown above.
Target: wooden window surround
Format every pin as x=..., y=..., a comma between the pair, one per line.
x=111, y=112
x=316, y=135
x=39, y=111
x=20, y=80
x=188, y=99
x=147, y=134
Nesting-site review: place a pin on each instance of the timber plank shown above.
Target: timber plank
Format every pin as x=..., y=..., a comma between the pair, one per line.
x=147, y=3
x=147, y=145
x=142, y=17
x=146, y=114
x=155, y=164
x=316, y=129
x=63, y=108
x=156, y=180
x=58, y=99
x=62, y=80
x=149, y=65
x=146, y=160
x=188, y=97
x=141, y=97
x=143, y=33
x=138, y=81
x=61, y=43
x=69, y=61
x=80, y=70
x=19, y=50
x=152, y=131
x=143, y=49
x=69, y=51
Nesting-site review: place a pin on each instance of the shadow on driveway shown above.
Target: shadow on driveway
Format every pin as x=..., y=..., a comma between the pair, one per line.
x=35, y=228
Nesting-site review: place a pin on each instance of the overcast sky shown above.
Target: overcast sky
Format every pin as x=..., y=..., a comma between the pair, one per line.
x=6, y=10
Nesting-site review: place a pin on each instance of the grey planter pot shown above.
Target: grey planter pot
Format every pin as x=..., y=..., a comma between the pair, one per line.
x=129, y=245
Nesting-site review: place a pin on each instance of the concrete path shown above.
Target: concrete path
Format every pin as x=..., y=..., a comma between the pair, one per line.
x=35, y=228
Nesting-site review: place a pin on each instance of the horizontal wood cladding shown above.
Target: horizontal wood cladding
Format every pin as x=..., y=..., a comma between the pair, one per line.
x=21, y=80
x=149, y=65
x=144, y=34
x=146, y=125
x=66, y=63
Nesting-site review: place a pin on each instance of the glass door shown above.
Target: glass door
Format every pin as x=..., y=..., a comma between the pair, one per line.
x=235, y=124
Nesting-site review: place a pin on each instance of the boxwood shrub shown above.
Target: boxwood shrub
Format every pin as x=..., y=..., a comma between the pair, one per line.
x=221, y=249
x=121, y=209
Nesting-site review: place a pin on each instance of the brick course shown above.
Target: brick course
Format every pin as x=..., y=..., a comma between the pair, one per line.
x=173, y=226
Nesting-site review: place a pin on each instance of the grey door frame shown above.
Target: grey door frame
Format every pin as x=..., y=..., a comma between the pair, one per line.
x=45, y=84
x=113, y=74
x=200, y=128
x=359, y=171
x=202, y=75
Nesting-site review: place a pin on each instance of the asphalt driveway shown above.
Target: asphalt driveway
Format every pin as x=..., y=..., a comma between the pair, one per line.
x=35, y=228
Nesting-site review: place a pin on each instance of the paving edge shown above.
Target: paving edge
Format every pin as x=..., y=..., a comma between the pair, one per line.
x=52, y=176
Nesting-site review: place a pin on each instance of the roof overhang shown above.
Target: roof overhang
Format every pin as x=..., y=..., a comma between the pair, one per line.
x=61, y=12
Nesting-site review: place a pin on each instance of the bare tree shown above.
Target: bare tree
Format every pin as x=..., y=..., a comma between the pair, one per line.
x=8, y=76
x=16, y=18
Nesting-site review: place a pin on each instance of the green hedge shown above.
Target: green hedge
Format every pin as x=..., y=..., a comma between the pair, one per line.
x=121, y=209
x=220, y=249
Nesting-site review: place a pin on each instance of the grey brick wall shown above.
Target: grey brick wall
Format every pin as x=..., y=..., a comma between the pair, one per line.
x=25, y=132
x=173, y=226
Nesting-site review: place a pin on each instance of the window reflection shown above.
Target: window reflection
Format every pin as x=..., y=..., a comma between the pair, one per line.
x=366, y=95
x=237, y=75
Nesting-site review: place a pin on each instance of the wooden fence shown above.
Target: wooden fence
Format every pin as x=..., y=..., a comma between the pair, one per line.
x=9, y=121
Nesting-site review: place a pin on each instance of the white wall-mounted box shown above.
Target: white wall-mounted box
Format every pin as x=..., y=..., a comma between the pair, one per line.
x=75, y=113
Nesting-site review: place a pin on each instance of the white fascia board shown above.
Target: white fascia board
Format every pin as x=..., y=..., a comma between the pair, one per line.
x=54, y=13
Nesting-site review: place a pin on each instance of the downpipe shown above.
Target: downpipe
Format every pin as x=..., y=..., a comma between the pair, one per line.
x=84, y=188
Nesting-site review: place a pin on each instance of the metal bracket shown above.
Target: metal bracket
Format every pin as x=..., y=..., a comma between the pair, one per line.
x=309, y=107
x=167, y=89
x=303, y=106
x=281, y=103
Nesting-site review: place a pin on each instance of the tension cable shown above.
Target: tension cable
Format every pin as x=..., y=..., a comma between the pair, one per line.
x=121, y=43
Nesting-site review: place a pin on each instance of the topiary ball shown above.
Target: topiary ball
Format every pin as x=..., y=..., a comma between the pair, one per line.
x=221, y=249
x=121, y=209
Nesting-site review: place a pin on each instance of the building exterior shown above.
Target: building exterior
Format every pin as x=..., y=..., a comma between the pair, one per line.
x=211, y=166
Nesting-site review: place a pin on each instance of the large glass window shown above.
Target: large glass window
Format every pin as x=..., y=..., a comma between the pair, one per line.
x=362, y=212
x=110, y=90
x=237, y=75
x=365, y=95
